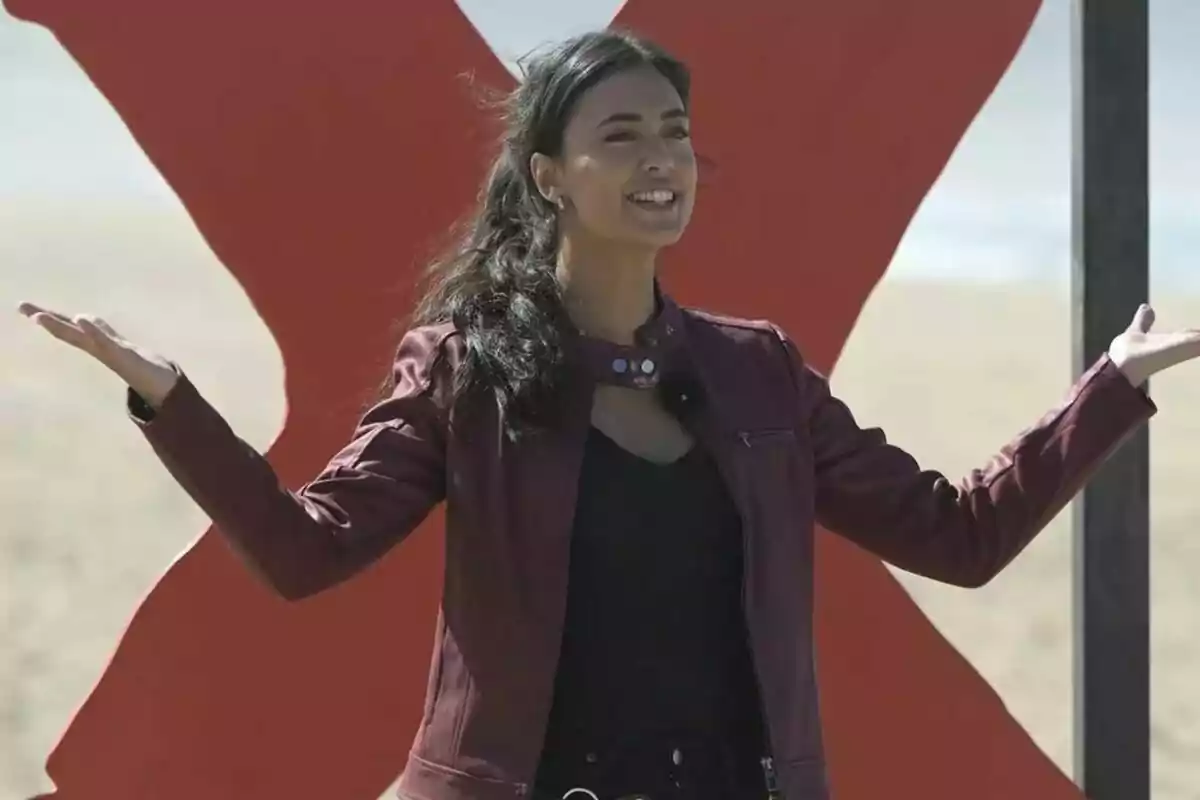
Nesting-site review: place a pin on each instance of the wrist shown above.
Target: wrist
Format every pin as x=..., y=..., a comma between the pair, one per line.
x=154, y=385
x=1132, y=369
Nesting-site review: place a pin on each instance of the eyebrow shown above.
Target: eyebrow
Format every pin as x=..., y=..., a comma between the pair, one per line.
x=627, y=116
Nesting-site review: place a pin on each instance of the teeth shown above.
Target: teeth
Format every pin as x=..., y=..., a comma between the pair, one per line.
x=656, y=196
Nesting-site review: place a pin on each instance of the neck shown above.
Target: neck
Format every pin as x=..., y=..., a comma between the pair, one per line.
x=609, y=293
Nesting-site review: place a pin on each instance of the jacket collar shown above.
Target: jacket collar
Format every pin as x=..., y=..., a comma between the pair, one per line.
x=654, y=355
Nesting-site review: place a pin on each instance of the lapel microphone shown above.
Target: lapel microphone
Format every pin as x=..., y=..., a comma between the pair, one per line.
x=681, y=394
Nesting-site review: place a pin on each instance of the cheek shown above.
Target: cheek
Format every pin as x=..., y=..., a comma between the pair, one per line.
x=598, y=185
x=687, y=170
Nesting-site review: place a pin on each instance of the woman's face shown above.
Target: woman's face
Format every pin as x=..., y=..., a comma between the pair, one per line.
x=627, y=171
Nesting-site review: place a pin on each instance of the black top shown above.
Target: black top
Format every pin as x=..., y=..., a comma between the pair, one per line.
x=655, y=679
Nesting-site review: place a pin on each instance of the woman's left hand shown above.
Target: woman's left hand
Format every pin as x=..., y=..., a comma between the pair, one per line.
x=1139, y=353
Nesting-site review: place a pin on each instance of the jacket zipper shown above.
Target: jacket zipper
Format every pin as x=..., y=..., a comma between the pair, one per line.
x=772, y=781
x=767, y=761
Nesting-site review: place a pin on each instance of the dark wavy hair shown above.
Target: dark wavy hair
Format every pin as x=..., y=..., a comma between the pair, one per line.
x=498, y=284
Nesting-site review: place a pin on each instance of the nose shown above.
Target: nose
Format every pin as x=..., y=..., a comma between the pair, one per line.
x=657, y=158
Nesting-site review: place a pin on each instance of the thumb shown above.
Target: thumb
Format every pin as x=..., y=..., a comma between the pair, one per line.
x=1143, y=319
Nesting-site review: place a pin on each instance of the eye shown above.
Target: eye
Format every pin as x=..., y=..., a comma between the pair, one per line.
x=679, y=132
x=620, y=136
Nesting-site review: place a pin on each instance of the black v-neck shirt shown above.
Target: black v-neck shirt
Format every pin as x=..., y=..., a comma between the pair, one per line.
x=654, y=654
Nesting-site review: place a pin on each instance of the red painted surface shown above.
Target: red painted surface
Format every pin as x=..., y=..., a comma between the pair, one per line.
x=323, y=149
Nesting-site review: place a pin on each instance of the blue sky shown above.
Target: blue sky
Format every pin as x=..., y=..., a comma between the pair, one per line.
x=999, y=212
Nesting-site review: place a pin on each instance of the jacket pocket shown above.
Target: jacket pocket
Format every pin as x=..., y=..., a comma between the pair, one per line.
x=767, y=437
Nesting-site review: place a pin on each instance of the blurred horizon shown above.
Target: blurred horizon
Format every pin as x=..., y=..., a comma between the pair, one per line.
x=999, y=213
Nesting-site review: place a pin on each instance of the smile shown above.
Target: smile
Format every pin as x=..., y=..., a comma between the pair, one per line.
x=656, y=198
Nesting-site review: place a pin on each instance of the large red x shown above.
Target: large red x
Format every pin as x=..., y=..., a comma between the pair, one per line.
x=322, y=149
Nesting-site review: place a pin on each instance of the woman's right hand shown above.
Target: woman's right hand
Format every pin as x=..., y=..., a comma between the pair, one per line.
x=147, y=373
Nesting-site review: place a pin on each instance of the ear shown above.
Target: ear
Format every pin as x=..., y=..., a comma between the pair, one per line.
x=546, y=177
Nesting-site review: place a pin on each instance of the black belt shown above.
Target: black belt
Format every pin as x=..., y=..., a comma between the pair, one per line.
x=667, y=768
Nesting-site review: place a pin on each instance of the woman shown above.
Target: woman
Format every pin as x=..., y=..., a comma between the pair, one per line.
x=630, y=487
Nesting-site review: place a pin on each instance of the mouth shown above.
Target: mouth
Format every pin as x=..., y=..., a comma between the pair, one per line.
x=655, y=199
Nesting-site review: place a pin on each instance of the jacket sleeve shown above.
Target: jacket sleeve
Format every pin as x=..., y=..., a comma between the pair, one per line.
x=372, y=493
x=963, y=533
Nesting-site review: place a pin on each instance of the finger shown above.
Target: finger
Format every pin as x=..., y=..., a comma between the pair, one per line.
x=108, y=330
x=62, y=329
x=1191, y=341
x=31, y=311
x=1143, y=319
x=103, y=341
x=1180, y=347
x=97, y=328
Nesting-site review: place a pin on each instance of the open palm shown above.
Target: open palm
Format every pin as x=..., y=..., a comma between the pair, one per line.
x=1141, y=352
x=147, y=373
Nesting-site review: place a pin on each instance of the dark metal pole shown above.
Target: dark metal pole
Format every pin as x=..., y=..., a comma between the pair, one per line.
x=1110, y=276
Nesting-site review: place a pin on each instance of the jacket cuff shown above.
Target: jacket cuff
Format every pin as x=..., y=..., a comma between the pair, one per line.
x=183, y=422
x=1128, y=402
x=141, y=412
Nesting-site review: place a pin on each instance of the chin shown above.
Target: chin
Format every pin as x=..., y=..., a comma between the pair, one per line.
x=662, y=237
x=666, y=240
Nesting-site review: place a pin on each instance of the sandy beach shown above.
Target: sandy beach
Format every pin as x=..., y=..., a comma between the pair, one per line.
x=91, y=519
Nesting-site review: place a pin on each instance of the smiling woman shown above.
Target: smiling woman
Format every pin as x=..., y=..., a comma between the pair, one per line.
x=588, y=433
x=595, y=174
x=644, y=156
x=583, y=430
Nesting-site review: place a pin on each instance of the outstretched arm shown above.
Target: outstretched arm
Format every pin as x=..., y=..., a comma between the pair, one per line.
x=963, y=533
x=369, y=496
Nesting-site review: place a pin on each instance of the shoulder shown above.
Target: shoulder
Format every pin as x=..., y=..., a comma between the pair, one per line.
x=728, y=325
x=741, y=343
x=753, y=365
x=430, y=342
x=711, y=329
x=428, y=354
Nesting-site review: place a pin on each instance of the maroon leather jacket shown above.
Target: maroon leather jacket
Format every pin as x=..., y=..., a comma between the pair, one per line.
x=790, y=452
